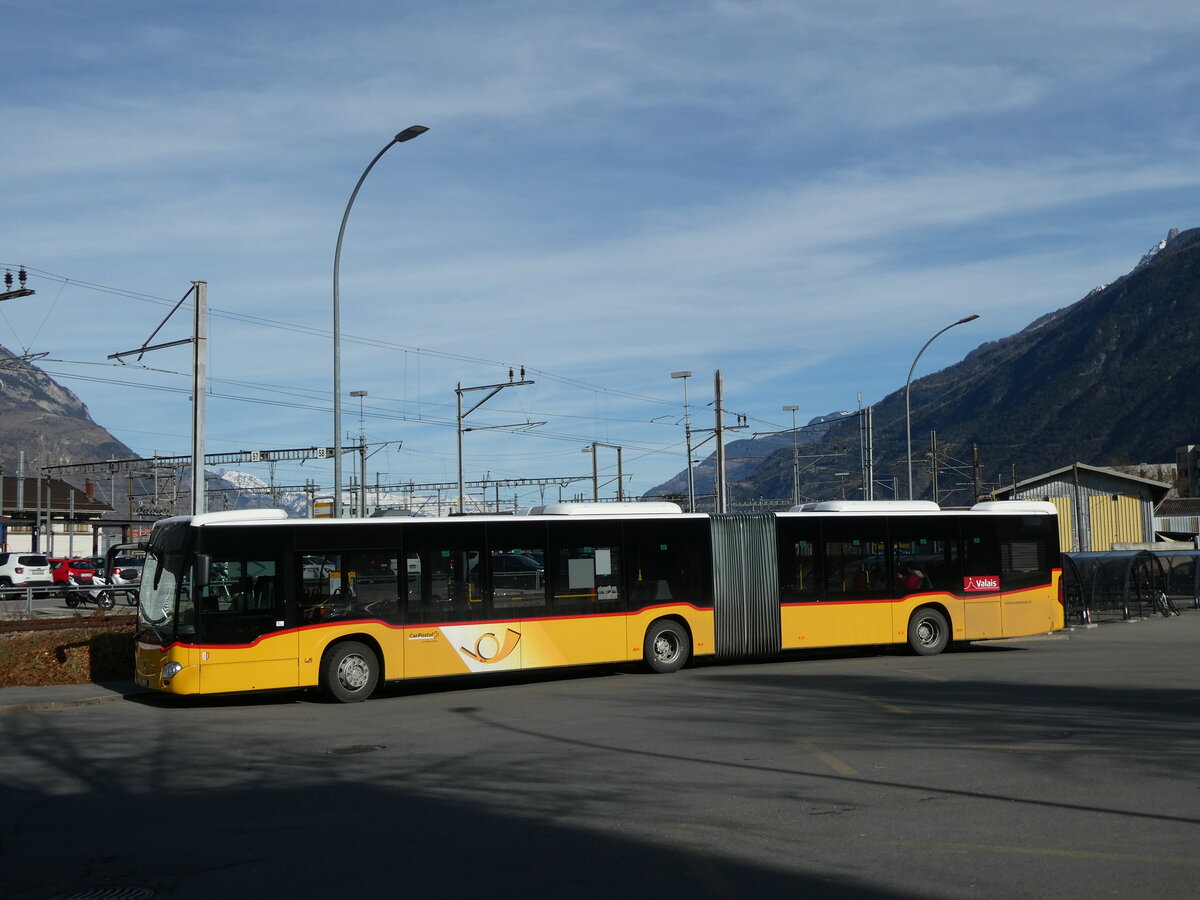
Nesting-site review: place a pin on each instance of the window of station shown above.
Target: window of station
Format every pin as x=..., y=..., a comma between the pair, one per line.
x=856, y=559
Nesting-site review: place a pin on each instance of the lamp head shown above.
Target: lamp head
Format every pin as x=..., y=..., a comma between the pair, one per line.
x=681, y=374
x=410, y=132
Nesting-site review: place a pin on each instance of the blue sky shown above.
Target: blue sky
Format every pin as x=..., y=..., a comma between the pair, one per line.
x=796, y=193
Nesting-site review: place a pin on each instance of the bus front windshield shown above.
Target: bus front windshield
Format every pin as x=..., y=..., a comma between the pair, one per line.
x=161, y=579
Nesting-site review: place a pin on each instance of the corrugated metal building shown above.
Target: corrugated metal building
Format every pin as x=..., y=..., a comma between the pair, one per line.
x=1178, y=519
x=1097, y=507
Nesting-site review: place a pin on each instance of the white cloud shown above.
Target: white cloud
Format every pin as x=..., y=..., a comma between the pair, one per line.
x=794, y=193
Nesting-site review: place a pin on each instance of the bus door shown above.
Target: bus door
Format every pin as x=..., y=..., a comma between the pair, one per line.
x=245, y=639
x=446, y=612
x=857, y=605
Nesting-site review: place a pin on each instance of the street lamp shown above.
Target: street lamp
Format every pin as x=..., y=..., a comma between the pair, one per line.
x=795, y=458
x=908, y=389
x=406, y=135
x=687, y=433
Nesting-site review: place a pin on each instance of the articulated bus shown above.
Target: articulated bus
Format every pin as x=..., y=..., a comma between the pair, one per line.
x=253, y=600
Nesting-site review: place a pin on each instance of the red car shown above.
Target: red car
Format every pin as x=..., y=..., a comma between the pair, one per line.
x=81, y=570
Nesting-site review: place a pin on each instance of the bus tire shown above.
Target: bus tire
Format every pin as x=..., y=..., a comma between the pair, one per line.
x=928, y=632
x=667, y=646
x=349, y=672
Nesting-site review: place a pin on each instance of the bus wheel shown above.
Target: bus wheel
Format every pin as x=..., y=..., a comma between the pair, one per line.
x=667, y=646
x=350, y=672
x=928, y=632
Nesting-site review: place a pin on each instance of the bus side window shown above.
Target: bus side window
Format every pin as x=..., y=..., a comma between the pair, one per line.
x=518, y=582
x=443, y=584
x=855, y=567
x=797, y=571
x=587, y=579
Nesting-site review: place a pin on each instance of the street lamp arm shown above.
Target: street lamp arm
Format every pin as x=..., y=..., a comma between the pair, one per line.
x=908, y=392
x=406, y=135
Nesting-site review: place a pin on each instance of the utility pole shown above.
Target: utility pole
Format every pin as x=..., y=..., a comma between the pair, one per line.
x=933, y=463
x=493, y=390
x=199, y=342
x=720, y=432
x=596, y=470
x=977, y=471
x=869, y=451
x=199, y=370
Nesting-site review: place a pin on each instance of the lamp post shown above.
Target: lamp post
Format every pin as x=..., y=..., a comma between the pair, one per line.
x=687, y=434
x=908, y=389
x=795, y=458
x=842, y=478
x=406, y=135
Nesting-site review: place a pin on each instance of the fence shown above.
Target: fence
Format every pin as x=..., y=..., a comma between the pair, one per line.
x=1126, y=583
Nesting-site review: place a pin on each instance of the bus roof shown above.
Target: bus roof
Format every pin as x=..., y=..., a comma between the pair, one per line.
x=631, y=508
x=900, y=507
x=869, y=506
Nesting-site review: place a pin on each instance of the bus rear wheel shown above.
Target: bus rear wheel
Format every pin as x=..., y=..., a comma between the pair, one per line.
x=667, y=646
x=350, y=672
x=928, y=632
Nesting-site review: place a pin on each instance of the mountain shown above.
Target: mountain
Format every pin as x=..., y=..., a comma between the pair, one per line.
x=52, y=426
x=1110, y=379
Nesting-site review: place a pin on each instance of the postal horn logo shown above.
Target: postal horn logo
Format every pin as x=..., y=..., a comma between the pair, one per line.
x=488, y=648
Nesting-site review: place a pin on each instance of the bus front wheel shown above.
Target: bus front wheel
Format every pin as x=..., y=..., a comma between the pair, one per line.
x=928, y=632
x=667, y=646
x=350, y=672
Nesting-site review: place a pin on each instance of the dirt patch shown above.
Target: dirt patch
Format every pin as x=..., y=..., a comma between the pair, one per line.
x=82, y=654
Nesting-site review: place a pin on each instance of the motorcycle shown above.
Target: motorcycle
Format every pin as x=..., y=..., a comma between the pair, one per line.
x=101, y=591
x=79, y=592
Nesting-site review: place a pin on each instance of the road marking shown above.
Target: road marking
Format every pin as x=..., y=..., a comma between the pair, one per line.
x=829, y=759
x=889, y=707
x=1025, y=851
x=924, y=675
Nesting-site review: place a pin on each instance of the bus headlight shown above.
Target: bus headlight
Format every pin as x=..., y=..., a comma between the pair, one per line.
x=171, y=669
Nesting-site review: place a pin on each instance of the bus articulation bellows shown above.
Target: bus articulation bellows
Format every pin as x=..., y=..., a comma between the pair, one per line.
x=253, y=600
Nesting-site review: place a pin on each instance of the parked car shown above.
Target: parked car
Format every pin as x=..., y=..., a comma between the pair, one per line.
x=62, y=570
x=25, y=568
x=97, y=563
x=127, y=568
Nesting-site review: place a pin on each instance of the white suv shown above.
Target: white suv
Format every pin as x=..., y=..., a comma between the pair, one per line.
x=25, y=568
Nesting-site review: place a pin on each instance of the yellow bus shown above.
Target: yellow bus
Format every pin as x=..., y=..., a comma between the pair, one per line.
x=253, y=600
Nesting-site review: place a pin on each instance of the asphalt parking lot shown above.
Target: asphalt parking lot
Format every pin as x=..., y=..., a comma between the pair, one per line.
x=1062, y=765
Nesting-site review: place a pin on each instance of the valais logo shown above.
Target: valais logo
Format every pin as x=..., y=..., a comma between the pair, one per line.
x=981, y=583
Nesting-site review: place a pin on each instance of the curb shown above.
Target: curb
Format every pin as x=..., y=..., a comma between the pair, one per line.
x=32, y=705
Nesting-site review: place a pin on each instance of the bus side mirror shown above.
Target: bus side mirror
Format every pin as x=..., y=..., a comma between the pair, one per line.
x=200, y=571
